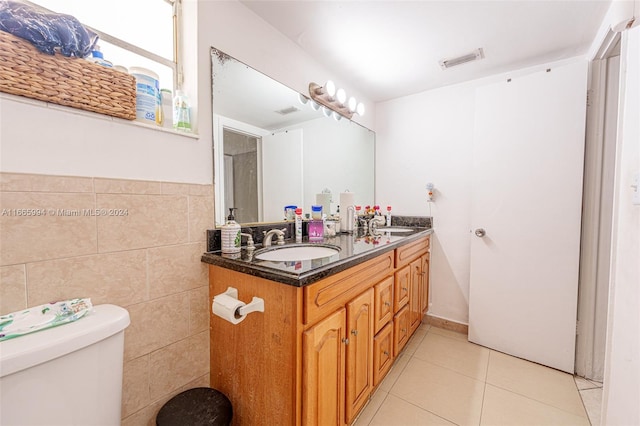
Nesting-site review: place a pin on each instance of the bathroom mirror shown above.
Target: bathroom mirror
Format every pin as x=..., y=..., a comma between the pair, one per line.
x=274, y=147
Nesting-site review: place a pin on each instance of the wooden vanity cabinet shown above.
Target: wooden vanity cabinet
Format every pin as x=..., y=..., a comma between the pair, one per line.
x=424, y=293
x=316, y=353
x=359, y=368
x=412, y=279
x=416, y=289
x=382, y=353
x=401, y=330
x=402, y=289
x=323, y=371
x=383, y=293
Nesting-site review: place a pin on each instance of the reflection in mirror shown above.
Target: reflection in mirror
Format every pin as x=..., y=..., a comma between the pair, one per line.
x=273, y=149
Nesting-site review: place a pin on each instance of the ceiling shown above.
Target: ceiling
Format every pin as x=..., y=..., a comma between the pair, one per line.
x=390, y=49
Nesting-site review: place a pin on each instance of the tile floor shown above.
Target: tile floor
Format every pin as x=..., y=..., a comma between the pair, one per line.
x=442, y=379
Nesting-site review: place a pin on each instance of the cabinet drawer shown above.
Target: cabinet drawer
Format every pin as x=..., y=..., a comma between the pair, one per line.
x=383, y=293
x=406, y=254
x=329, y=294
x=402, y=286
x=382, y=353
x=400, y=330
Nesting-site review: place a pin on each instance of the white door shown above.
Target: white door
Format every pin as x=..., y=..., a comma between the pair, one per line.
x=527, y=192
x=281, y=173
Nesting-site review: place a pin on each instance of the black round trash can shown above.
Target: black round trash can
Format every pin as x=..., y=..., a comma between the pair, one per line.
x=196, y=407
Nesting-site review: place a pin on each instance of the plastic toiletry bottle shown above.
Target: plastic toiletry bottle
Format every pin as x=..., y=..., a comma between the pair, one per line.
x=316, y=212
x=181, y=112
x=388, y=215
x=98, y=58
x=298, y=225
x=167, y=108
x=231, y=234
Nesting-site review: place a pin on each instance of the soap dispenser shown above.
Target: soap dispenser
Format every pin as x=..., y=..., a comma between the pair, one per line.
x=231, y=234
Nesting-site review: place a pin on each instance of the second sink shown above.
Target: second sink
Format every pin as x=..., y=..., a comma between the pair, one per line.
x=295, y=252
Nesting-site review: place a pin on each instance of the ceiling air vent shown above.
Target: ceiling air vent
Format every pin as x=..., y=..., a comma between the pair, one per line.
x=288, y=110
x=476, y=55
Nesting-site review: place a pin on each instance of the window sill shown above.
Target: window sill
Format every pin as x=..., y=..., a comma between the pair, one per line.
x=94, y=115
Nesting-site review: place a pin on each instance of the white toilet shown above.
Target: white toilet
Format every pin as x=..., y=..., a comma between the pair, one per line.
x=66, y=375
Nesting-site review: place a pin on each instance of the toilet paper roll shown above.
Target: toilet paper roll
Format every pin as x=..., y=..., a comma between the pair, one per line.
x=226, y=307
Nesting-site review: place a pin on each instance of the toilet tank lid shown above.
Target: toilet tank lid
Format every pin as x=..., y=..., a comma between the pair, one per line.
x=32, y=349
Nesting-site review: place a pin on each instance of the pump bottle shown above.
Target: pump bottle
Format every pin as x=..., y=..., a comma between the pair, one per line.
x=231, y=234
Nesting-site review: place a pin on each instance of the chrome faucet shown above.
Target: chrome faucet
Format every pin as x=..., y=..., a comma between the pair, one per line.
x=250, y=245
x=374, y=222
x=268, y=236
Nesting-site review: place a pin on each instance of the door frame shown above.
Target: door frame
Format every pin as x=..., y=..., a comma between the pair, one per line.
x=596, y=250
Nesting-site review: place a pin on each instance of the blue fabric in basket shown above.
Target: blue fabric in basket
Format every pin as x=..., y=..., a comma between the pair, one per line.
x=49, y=32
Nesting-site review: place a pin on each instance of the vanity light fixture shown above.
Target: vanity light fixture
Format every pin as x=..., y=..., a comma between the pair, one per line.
x=352, y=104
x=335, y=99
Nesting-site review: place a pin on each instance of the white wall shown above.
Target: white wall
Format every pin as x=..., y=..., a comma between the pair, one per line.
x=423, y=138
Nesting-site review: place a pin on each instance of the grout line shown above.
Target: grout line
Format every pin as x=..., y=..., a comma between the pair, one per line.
x=542, y=402
x=484, y=394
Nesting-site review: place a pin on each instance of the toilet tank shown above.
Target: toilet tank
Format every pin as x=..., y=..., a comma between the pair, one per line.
x=67, y=375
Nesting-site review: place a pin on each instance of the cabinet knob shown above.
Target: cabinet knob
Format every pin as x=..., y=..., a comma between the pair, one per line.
x=386, y=353
x=345, y=341
x=404, y=289
x=354, y=332
x=387, y=303
x=404, y=330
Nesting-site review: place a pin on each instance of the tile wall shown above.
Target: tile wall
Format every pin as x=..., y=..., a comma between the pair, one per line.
x=145, y=258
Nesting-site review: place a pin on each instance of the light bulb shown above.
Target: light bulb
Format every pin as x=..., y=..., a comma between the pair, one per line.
x=337, y=116
x=314, y=105
x=303, y=99
x=330, y=87
x=352, y=104
x=360, y=109
x=341, y=96
x=326, y=111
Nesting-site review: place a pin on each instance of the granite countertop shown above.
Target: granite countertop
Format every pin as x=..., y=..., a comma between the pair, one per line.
x=354, y=249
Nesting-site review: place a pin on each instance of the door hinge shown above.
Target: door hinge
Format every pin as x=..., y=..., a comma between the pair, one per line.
x=589, y=97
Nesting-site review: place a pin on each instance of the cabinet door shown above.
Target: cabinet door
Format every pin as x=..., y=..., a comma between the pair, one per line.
x=414, y=295
x=359, y=353
x=400, y=330
x=383, y=294
x=401, y=290
x=424, y=289
x=382, y=353
x=323, y=371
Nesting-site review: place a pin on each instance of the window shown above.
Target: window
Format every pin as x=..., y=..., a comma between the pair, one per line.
x=140, y=33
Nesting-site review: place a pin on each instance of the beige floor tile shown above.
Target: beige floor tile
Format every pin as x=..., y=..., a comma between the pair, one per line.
x=592, y=399
x=583, y=383
x=371, y=408
x=460, y=356
x=395, y=411
x=535, y=381
x=502, y=407
x=448, y=333
x=391, y=377
x=415, y=341
x=448, y=394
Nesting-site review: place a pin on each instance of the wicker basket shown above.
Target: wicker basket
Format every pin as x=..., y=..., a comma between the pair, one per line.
x=73, y=82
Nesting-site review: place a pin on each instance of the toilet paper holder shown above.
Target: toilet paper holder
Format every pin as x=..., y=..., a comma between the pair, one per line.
x=256, y=304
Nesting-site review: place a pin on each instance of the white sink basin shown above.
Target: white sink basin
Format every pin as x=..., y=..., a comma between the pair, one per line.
x=393, y=229
x=296, y=252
